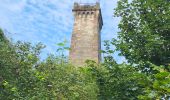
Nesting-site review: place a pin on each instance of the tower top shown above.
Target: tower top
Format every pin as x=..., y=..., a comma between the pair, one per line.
x=86, y=6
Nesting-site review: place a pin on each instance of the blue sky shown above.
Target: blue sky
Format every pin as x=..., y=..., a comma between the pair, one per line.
x=51, y=21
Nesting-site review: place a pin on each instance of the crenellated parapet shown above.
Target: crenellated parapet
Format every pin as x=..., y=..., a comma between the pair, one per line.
x=88, y=10
x=86, y=6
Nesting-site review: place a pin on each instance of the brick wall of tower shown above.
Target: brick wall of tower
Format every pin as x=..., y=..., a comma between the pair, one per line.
x=85, y=42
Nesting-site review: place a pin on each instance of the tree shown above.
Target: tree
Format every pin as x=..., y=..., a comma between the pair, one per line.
x=157, y=86
x=144, y=41
x=66, y=81
x=17, y=63
x=144, y=31
x=116, y=81
x=23, y=76
x=8, y=62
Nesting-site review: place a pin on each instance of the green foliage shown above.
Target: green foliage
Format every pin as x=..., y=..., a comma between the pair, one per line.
x=144, y=31
x=158, y=85
x=143, y=40
x=66, y=81
x=119, y=82
x=27, y=78
x=61, y=50
x=23, y=76
x=16, y=67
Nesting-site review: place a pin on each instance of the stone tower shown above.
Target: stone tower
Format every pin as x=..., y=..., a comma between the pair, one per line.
x=85, y=41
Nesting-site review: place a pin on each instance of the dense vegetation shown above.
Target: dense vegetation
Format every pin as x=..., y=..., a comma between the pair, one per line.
x=143, y=39
x=145, y=31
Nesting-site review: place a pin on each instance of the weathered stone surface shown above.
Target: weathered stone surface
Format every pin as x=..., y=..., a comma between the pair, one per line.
x=85, y=42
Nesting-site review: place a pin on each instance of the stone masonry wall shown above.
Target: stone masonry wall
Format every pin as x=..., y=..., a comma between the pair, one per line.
x=85, y=42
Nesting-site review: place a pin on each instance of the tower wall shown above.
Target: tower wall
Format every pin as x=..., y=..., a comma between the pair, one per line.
x=86, y=42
